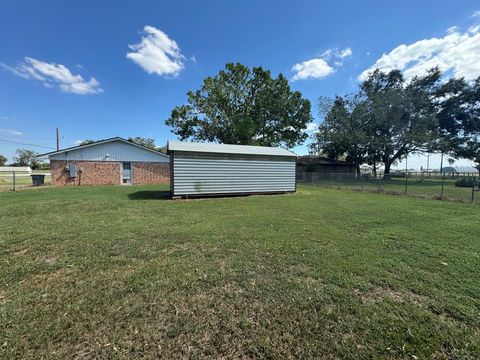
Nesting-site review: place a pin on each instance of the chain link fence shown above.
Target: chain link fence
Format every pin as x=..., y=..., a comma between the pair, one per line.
x=454, y=187
x=12, y=181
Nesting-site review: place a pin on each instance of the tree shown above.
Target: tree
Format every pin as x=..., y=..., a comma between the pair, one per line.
x=458, y=113
x=3, y=160
x=342, y=132
x=387, y=119
x=243, y=106
x=147, y=142
x=25, y=157
x=400, y=113
x=476, y=159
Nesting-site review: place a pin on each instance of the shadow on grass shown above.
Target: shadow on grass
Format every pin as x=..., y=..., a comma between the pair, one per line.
x=149, y=195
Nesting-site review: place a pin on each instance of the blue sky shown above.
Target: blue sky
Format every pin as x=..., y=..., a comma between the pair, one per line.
x=65, y=64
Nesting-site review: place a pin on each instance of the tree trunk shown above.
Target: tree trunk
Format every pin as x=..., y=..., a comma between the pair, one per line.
x=386, y=174
x=441, y=164
x=357, y=168
x=375, y=169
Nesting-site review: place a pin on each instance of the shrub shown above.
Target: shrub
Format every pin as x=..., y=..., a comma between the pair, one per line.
x=466, y=182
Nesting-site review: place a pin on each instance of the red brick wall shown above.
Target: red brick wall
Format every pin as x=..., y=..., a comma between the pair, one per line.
x=108, y=173
x=151, y=173
x=88, y=173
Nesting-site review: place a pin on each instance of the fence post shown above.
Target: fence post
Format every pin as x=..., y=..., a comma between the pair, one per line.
x=406, y=183
x=473, y=190
x=443, y=184
x=361, y=180
x=14, y=181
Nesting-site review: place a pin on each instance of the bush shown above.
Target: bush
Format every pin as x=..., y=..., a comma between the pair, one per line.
x=466, y=182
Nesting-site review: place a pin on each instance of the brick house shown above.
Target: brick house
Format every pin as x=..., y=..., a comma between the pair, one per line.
x=114, y=161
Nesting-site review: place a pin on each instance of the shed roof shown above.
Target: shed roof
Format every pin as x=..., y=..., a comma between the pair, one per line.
x=228, y=149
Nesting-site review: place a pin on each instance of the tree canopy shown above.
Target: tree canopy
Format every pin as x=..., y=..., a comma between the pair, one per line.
x=390, y=117
x=25, y=157
x=3, y=160
x=147, y=142
x=458, y=111
x=243, y=106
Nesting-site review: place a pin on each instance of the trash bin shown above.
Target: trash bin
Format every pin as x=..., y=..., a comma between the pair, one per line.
x=38, y=179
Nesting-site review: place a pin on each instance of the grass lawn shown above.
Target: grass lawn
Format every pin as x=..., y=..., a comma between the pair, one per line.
x=121, y=272
x=428, y=187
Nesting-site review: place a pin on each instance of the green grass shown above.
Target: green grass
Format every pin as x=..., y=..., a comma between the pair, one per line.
x=121, y=272
x=428, y=187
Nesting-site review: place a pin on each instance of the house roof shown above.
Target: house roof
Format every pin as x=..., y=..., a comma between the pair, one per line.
x=460, y=169
x=228, y=149
x=104, y=141
x=321, y=160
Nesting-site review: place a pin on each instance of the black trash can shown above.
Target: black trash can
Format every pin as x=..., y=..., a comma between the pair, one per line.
x=38, y=179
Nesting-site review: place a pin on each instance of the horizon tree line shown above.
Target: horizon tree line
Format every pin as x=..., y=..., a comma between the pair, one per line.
x=383, y=121
x=386, y=119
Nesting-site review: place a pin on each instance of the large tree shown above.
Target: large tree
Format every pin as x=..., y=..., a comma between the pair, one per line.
x=342, y=133
x=25, y=157
x=400, y=113
x=388, y=119
x=243, y=106
x=458, y=113
x=3, y=160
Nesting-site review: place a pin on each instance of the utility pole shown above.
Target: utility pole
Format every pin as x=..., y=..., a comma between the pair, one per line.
x=58, y=140
x=441, y=164
x=406, y=175
x=428, y=162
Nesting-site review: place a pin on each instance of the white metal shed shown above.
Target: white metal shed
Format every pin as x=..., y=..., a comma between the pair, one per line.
x=198, y=169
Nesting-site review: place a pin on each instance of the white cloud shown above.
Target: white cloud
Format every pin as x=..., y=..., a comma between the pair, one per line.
x=452, y=29
x=319, y=68
x=77, y=142
x=476, y=13
x=11, y=132
x=157, y=53
x=456, y=52
x=51, y=74
x=315, y=68
x=345, y=53
x=311, y=127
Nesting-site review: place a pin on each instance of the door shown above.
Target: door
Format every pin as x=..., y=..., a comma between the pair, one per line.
x=126, y=173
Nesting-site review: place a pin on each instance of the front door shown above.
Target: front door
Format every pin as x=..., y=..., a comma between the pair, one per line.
x=126, y=173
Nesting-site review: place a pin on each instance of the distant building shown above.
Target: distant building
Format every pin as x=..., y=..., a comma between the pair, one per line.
x=323, y=165
x=17, y=169
x=114, y=161
x=460, y=170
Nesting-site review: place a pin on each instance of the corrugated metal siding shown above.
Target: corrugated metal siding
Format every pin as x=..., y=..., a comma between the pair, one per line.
x=201, y=175
x=117, y=151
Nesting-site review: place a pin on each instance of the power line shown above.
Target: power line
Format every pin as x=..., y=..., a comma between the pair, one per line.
x=22, y=143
